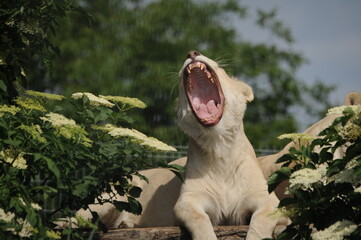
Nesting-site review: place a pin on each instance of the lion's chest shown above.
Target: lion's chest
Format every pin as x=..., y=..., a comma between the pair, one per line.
x=229, y=194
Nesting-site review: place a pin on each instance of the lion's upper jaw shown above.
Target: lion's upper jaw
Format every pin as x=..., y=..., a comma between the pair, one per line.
x=220, y=136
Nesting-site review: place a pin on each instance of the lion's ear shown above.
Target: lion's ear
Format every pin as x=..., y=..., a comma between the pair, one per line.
x=352, y=98
x=246, y=91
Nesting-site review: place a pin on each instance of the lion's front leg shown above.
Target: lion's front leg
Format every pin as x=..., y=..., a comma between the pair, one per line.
x=263, y=221
x=190, y=211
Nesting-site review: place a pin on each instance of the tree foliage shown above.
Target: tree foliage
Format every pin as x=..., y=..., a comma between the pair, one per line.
x=25, y=28
x=136, y=48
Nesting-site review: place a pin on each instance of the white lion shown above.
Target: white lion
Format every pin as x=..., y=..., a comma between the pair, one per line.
x=160, y=195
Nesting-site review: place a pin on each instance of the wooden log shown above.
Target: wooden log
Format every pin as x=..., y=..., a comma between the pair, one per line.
x=172, y=233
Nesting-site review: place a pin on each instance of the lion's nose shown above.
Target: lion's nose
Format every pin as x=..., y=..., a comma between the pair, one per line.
x=193, y=54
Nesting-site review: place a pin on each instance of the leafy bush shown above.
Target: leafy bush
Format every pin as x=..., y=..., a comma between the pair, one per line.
x=26, y=28
x=324, y=182
x=46, y=155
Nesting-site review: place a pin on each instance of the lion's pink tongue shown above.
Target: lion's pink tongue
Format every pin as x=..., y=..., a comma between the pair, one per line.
x=212, y=108
x=205, y=111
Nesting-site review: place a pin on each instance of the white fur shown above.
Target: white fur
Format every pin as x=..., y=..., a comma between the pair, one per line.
x=223, y=181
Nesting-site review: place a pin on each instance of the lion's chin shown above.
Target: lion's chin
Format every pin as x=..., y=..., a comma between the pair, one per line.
x=204, y=93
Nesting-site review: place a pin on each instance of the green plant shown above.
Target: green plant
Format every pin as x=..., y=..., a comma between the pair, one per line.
x=324, y=181
x=26, y=28
x=46, y=155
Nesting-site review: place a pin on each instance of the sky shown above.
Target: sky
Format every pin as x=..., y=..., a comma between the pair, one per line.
x=327, y=33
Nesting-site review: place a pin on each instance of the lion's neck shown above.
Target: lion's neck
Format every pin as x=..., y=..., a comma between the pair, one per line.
x=218, y=147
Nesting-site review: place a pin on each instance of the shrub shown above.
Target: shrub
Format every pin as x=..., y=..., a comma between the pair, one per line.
x=46, y=155
x=325, y=186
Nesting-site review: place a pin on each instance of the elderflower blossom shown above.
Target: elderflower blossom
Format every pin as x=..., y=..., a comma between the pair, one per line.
x=126, y=132
x=53, y=234
x=34, y=131
x=49, y=96
x=133, y=102
x=83, y=222
x=337, y=231
x=6, y=216
x=30, y=104
x=139, y=137
x=33, y=205
x=27, y=230
x=350, y=131
x=8, y=109
x=94, y=100
x=301, y=137
x=67, y=128
x=347, y=175
x=288, y=211
x=340, y=109
x=57, y=120
x=15, y=158
x=307, y=178
x=155, y=144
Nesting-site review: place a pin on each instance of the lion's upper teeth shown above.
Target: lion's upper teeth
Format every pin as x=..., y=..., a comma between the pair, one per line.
x=202, y=67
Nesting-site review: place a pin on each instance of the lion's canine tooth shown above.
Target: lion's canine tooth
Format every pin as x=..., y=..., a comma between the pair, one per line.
x=202, y=66
x=188, y=70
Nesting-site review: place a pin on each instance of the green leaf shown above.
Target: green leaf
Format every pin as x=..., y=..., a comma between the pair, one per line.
x=102, y=114
x=285, y=158
x=3, y=86
x=357, y=171
x=325, y=155
x=277, y=177
x=135, y=206
x=177, y=170
x=122, y=206
x=32, y=217
x=52, y=167
x=135, y=192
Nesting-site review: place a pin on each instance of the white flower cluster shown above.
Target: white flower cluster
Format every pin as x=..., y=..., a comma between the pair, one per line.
x=34, y=131
x=138, y=137
x=157, y=145
x=49, y=96
x=67, y=128
x=300, y=138
x=340, y=109
x=53, y=234
x=26, y=231
x=8, y=109
x=347, y=175
x=57, y=120
x=307, y=178
x=15, y=158
x=337, y=231
x=6, y=216
x=30, y=104
x=133, y=102
x=94, y=100
x=33, y=205
x=350, y=131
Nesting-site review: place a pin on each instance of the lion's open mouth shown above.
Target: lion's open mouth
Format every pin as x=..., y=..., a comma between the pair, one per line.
x=204, y=93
